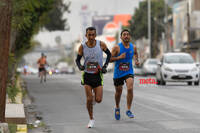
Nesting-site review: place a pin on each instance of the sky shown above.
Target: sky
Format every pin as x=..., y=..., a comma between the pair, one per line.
x=99, y=7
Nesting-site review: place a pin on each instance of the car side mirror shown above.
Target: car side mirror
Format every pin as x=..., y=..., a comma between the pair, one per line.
x=197, y=64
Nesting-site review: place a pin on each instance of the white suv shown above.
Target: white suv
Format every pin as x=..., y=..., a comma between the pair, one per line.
x=177, y=67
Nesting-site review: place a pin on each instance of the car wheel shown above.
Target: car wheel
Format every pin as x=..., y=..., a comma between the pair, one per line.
x=162, y=82
x=189, y=83
x=196, y=83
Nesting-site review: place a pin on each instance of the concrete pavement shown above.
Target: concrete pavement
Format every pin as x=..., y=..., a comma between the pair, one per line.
x=163, y=109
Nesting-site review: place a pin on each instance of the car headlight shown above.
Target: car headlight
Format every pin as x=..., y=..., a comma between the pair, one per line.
x=194, y=69
x=168, y=69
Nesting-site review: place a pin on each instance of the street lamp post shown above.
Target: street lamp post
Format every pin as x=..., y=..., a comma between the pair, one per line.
x=166, y=26
x=188, y=27
x=149, y=26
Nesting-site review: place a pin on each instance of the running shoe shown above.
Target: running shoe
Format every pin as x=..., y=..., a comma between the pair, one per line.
x=129, y=114
x=117, y=113
x=91, y=124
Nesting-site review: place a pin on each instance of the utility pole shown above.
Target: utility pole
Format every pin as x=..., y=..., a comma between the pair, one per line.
x=149, y=27
x=188, y=27
x=5, y=29
x=166, y=26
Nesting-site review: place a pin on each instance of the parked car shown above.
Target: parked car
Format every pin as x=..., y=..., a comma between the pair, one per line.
x=67, y=70
x=71, y=70
x=63, y=70
x=150, y=66
x=177, y=67
x=138, y=70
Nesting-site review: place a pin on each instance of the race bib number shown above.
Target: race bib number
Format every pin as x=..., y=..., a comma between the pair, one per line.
x=92, y=66
x=124, y=66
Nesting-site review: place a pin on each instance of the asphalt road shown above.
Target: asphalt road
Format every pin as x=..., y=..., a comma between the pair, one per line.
x=174, y=108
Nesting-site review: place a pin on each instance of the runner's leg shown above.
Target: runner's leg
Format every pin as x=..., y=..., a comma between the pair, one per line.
x=129, y=85
x=98, y=93
x=41, y=76
x=45, y=75
x=38, y=72
x=89, y=97
x=118, y=93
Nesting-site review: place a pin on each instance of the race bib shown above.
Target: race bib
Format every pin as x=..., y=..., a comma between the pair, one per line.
x=124, y=66
x=92, y=66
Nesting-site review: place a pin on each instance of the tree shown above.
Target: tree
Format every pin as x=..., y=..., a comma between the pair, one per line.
x=139, y=23
x=5, y=29
x=28, y=16
x=55, y=16
x=31, y=15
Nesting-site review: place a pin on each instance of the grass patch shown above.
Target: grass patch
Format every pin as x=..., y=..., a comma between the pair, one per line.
x=30, y=126
x=24, y=92
x=12, y=92
x=12, y=128
x=42, y=124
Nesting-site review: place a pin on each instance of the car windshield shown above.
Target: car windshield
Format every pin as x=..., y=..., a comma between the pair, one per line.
x=179, y=59
x=153, y=62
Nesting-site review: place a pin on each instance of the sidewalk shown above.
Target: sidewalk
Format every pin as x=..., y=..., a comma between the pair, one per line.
x=23, y=113
x=14, y=113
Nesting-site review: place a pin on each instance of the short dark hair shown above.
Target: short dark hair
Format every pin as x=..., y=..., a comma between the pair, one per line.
x=90, y=28
x=124, y=31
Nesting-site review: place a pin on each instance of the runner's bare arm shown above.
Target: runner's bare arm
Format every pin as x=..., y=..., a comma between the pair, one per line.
x=136, y=56
x=38, y=61
x=103, y=46
x=115, y=52
x=80, y=50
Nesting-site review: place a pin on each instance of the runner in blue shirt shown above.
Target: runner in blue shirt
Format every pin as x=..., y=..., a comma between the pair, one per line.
x=123, y=54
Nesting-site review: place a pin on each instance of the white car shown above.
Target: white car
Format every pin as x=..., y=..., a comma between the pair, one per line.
x=150, y=66
x=177, y=67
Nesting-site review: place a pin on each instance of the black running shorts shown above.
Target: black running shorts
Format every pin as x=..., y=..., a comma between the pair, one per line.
x=120, y=81
x=93, y=80
x=41, y=69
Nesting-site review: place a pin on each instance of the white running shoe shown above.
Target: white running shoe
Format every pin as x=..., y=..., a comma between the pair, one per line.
x=91, y=123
